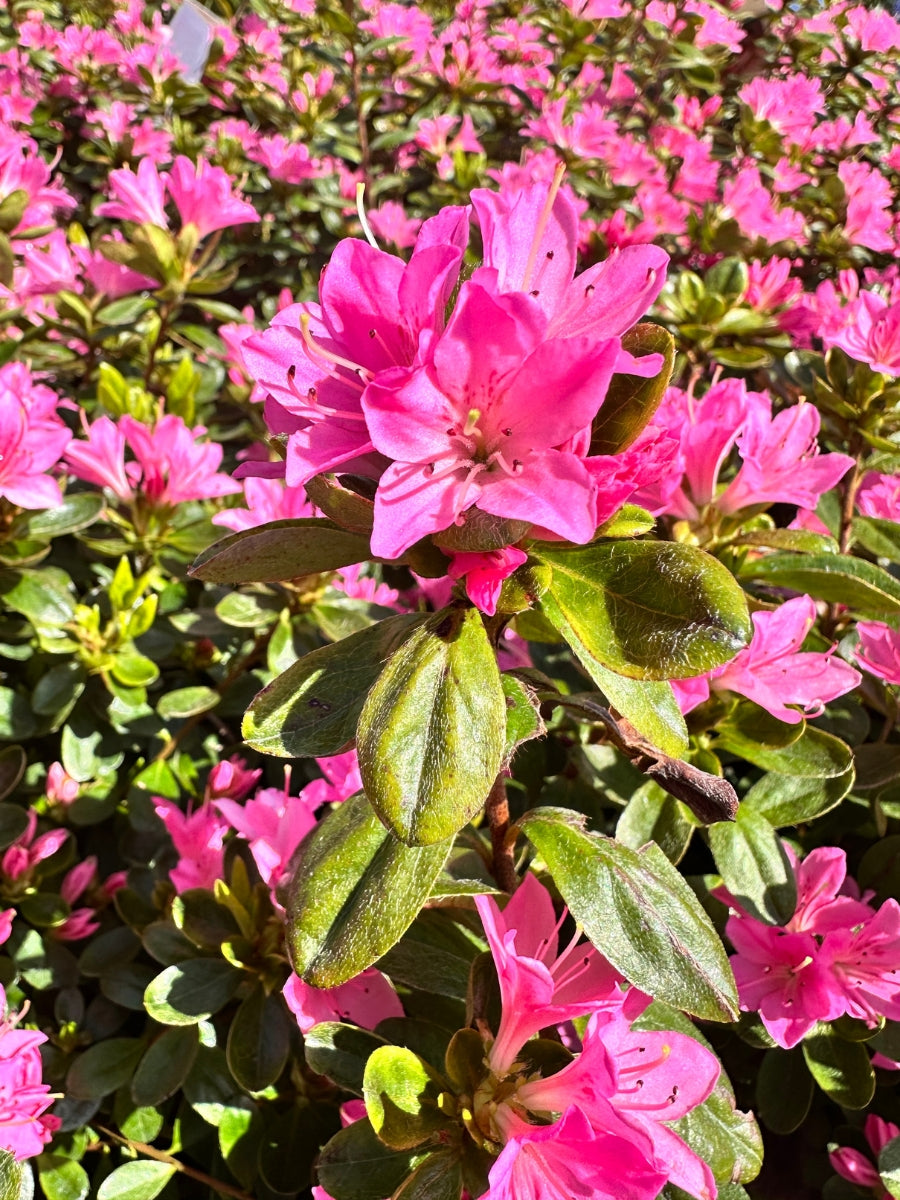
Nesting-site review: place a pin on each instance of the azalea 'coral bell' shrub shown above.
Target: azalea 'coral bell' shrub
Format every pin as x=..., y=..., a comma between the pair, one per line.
x=449, y=600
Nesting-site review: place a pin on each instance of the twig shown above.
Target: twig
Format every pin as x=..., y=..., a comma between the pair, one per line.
x=503, y=866
x=226, y=1189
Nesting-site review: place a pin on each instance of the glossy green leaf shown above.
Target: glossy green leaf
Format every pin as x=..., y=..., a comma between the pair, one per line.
x=805, y=779
x=13, y=761
x=842, y=1069
x=192, y=991
x=889, y=1167
x=754, y=866
x=432, y=730
x=354, y=892
x=654, y=816
x=280, y=550
x=187, y=702
x=17, y=721
x=439, y=1177
x=143, y=1179
x=165, y=1066
x=340, y=1052
x=76, y=512
x=43, y=596
x=648, y=610
x=523, y=717
x=103, y=1068
x=837, y=578
x=13, y=822
x=313, y=707
x=784, y=1090
x=355, y=1165
x=813, y=755
x=62, y=1178
x=401, y=1095
x=639, y=912
x=259, y=1040
x=631, y=400
x=649, y=705
x=723, y=1136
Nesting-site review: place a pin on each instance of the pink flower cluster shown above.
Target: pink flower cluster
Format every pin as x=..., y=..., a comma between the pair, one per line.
x=600, y=1127
x=837, y=954
x=32, y=439
x=25, y=1125
x=490, y=411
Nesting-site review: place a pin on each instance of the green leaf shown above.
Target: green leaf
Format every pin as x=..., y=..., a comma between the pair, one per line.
x=189, y=992
x=439, y=1177
x=13, y=822
x=878, y=536
x=58, y=690
x=649, y=705
x=280, y=550
x=639, y=912
x=313, y=707
x=16, y=1180
x=723, y=1136
x=523, y=717
x=837, y=578
x=355, y=891
x=132, y=669
x=754, y=866
x=187, y=702
x=401, y=1094
x=355, y=1165
x=43, y=596
x=259, y=1040
x=728, y=278
x=103, y=1068
x=340, y=1052
x=62, y=1178
x=13, y=762
x=76, y=512
x=813, y=755
x=17, y=721
x=889, y=1166
x=140, y=1180
x=631, y=400
x=806, y=778
x=654, y=816
x=165, y=1066
x=648, y=610
x=841, y=1069
x=432, y=730
x=784, y=1090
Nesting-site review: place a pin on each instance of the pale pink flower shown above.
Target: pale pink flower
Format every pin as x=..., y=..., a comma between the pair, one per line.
x=199, y=838
x=875, y=29
x=25, y=1129
x=366, y=1000
x=790, y=105
x=879, y=650
x=484, y=574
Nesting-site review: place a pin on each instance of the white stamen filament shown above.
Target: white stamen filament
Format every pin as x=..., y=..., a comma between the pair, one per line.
x=542, y=223
x=363, y=219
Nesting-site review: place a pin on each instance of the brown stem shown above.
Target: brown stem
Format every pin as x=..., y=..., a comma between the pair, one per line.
x=503, y=867
x=150, y=1152
x=851, y=487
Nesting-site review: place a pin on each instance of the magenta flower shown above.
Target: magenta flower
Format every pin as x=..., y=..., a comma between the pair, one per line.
x=32, y=439
x=230, y=780
x=199, y=838
x=20, y=858
x=274, y=823
x=315, y=360
x=539, y=985
x=171, y=464
x=139, y=196
x=879, y=650
x=773, y=672
x=826, y=898
x=870, y=333
x=864, y=961
x=366, y=1000
x=267, y=500
x=569, y=1160
x=879, y=496
x=204, y=198
x=341, y=779
x=24, y=1099
x=853, y=1165
x=480, y=423
x=484, y=574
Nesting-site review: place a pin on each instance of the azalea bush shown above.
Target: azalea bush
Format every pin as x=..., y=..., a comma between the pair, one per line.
x=449, y=597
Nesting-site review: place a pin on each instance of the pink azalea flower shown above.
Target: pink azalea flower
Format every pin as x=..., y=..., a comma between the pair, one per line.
x=366, y=1000
x=199, y=838
x=139, y=196
x=870, y=333
x=539, y=985
x=203, y=196
x=853, y=1165
x=274, y=823
x=879, y=496
x=7, y=916
x=570, y=1159
x=484, y=574
x=230, y=780
x=315, y=360
x=824, y=902
x=879, y=650
x=24, y=1099
x=20, y=858
x=481, y=422
x=267, y=500
x=869, y=206
x=390, y=223
x=341, y=779
x=864, y=962
x=773, y=672
x=32, y=439
x=172, y=465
